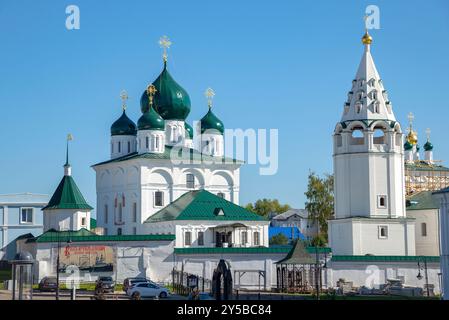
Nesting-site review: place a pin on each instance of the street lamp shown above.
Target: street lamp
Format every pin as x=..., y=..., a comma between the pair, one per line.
x=419, y=276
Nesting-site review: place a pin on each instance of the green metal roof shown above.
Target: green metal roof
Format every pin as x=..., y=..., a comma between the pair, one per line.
x=151, y=120
x=235, y=250
x=189, y=130
x=297, y=255
x=203, y=205
x=424, y=166
x=211, y=122
x=387, y=258
x=67, y=196
x=84, y=235
x=183, y=154
x=123, y=126
x=93, y=223
x=421, y=201
x=171, y=101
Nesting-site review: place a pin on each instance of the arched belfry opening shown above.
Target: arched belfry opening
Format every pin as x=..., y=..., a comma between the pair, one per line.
x=222, y=281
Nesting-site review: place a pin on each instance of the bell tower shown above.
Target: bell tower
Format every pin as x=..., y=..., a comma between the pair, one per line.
x=369, y=171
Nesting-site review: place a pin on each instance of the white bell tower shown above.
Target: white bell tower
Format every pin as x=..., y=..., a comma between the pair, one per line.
x=369, y=172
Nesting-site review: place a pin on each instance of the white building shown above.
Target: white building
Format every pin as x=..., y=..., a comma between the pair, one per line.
x=369, y=172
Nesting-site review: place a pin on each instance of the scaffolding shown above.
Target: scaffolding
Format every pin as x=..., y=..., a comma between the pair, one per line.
x=423, y=175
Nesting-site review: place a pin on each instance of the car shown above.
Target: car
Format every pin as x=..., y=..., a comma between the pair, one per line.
x=130, y=282
x=48, y=284
x=148, y=289
x=107, y=283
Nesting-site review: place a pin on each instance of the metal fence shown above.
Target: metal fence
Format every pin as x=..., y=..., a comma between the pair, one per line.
x=181, y=286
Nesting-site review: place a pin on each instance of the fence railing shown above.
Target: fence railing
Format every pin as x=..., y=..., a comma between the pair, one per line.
x=181, y=286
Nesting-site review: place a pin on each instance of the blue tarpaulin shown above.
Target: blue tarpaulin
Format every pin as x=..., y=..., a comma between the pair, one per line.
x=291, y=233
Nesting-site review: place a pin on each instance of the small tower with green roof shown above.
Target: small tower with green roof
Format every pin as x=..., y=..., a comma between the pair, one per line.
x=123, y=133
x=67, y=208
x=211, y=130
x=151, y=128
x=428, y=148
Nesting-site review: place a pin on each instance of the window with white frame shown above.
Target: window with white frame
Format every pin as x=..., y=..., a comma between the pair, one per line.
x=382, y=201
x=147, y=142
x=383, y=232
x=190, y=181
x=83, y=221
x=256, y=238
x=26, y=215
x=201, y=238
x=187, y=238
x=244, y=237
x=158, y=198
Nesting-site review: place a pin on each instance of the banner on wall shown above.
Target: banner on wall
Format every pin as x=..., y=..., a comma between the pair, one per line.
x=89, y=258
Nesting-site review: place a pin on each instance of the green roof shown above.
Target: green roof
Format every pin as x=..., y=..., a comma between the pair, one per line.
x=424, y=166
x=203, y=205
x=210, y=122
x=183, y=154
x=297, y=255
x=67, y=196
x=151, y=120
x=171, y=101
x=93, y=223
x=387, y=258
x=236, y=250
x=421, y=201
x=84, y=235
x=123, y=126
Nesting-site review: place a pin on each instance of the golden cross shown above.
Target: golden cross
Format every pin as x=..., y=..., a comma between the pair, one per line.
x=165, y=43
x=209, y=93
x=69, y=137
x=151, y=91
x=124, y=97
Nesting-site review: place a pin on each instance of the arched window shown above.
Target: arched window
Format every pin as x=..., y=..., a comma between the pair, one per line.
x=129, y=146
x=106, y=213
x=357, y=138
x=187, y=238
x=156, y=142
x=147, y=142
x=377, y=107
x=256, y=238
x=379, y=136
x=358, y=107
x=190, y=181
x=173, y=134
x=424, y=229
x=374, y=95
x=119, y=147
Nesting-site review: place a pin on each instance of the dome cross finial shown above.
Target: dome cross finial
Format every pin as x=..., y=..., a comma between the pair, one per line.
x=67, y=165
x=428, y=134
x=410, y=118
x=209, y=93
x=151, y=91
x=366, y=39
x=165, y=44
x=124, y=97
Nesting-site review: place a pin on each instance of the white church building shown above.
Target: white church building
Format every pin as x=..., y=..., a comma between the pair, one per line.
x=167, y=198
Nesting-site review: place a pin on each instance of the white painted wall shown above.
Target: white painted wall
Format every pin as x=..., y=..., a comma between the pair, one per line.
x=429, y=244
x=66, y=219
x=377, y=272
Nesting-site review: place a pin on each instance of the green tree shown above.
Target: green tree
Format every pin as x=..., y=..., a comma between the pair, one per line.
x=279, y=239
x=320, y=204
x=265, y=206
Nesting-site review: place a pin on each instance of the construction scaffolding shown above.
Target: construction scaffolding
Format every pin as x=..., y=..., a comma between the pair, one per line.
x=423, y=175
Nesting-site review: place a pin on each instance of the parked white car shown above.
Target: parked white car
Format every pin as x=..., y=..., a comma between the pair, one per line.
x=148, y=289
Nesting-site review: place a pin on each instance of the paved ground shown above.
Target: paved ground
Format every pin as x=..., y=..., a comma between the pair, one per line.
x=81, y=295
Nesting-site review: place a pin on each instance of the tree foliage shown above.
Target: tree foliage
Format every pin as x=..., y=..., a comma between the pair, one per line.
x=265, y=206
x=320, y=204
x=279, y=239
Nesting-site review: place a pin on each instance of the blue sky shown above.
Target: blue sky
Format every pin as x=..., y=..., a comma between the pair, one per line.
x=285, y=65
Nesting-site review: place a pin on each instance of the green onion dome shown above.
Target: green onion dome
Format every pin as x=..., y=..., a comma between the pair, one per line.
x=151, y=120
x=211, y=122
x=123, y=126
x=171, y=101
x=408, y=146
x=428, y=146
x=189, y=131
